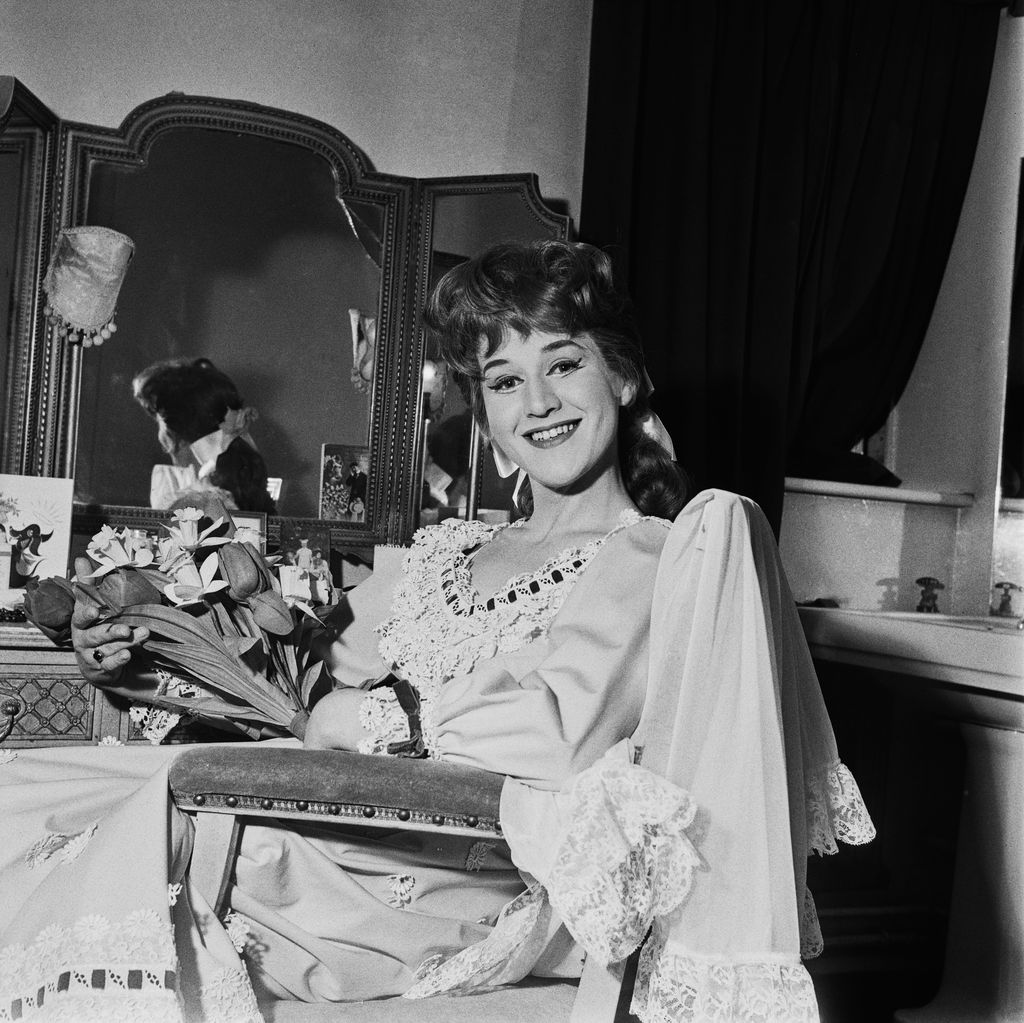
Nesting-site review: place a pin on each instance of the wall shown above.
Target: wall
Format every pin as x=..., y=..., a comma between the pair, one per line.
x=949, y=420
x=424, y=87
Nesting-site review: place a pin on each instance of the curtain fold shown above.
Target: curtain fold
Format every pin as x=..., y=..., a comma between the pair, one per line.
x=781, y=182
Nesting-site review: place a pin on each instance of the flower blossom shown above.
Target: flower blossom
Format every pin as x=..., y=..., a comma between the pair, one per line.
x=174, y=559
x=192, y=585
x=187, y=533
x=111, y=548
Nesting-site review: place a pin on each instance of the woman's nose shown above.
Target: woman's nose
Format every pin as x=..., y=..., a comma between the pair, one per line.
x=541, y=398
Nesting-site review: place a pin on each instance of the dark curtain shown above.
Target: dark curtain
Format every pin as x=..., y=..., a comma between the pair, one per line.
x=780, y=182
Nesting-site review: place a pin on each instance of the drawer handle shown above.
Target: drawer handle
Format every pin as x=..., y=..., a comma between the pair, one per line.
x=9, y=709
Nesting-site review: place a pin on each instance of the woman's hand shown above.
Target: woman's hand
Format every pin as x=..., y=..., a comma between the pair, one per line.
x=334, y=721
x=102, y=650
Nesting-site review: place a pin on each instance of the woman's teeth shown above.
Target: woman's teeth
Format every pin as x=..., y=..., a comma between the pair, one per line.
x=555, y=431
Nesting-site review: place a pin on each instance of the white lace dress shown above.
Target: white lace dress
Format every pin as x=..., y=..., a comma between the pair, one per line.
x=701, y=856
x=97, y=916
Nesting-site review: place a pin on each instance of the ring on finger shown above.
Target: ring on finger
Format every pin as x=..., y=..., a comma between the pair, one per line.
x=98, y=655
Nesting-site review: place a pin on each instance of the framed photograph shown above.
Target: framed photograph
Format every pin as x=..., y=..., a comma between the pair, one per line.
x=35, y=532
x=344, y=478
x=305, y=566
x=251, y=527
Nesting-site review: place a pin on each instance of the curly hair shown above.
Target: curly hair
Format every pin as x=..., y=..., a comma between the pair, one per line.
x=192, y=397
x=555, y=287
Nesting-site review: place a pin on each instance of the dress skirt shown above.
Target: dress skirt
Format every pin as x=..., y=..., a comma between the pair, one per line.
x=98, y=919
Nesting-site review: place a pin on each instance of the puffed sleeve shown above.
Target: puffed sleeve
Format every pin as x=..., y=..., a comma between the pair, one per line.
x=551, y=709
x=353, y=655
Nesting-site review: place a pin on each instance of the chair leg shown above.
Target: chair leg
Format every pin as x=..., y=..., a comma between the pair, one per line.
x=213, y=855
x=598, y=994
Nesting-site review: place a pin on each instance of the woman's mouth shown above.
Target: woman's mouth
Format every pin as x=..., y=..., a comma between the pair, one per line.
x=551, y=435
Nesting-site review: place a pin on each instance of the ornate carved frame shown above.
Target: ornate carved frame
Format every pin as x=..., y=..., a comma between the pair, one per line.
x=28, y=129
x=550, y=223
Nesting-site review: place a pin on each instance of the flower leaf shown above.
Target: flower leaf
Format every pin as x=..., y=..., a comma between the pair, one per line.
x=49, y=606
x=315, y=682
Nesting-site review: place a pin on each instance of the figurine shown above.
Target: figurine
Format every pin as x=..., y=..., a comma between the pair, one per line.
x=930, y=587
x=1005, y=607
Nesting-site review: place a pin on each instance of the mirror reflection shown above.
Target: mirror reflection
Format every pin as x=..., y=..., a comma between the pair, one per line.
x=244, y=255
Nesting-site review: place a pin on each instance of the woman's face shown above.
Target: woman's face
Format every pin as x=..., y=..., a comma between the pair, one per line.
x=552, y=406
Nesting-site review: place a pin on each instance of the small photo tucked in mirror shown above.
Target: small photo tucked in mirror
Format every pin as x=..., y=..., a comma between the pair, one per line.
x=344, y=476
x=35, y=533
x=305, y=566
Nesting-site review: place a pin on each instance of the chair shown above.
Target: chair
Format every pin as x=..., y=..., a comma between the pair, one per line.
x=222, y=786
x=734, y=722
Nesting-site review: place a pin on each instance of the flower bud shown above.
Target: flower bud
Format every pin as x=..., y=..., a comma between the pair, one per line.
x=49, y=604
x=271, y=613
x=243, y=572
x=123, y=587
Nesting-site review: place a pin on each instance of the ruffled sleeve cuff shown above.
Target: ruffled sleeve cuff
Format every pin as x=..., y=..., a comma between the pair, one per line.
x=836, y=812
x=679, y=987
x=382, y=718
x=625, y=859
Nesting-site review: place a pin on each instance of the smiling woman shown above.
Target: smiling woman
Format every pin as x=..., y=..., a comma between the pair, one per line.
x=541, y=339
x=549, y=393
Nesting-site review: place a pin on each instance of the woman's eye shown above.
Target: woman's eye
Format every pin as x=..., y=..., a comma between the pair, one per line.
x=504, y=383
x=564, y=366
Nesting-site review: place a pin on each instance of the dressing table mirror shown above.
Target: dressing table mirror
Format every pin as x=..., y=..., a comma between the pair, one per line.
x=265, y=241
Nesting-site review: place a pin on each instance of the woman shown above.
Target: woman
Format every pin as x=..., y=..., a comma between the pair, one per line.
x=204, y=426
x=526, y=645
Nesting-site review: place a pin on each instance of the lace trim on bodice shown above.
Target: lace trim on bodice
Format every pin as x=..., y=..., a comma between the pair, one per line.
x=439, y=628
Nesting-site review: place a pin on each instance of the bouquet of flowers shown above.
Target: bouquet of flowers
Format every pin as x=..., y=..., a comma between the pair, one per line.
x=216, y=616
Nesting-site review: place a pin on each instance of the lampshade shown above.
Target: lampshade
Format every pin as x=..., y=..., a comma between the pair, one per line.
x=83, y=282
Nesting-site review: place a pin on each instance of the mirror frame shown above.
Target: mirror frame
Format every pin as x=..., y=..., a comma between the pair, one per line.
x=549, y=222
x=27, y=127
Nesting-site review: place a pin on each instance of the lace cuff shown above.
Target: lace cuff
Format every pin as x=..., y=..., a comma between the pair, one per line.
x=682, y=988
x=155, y=722
x=626, y=858
x=390, y=712
x=836, y=812
x=382, y=716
